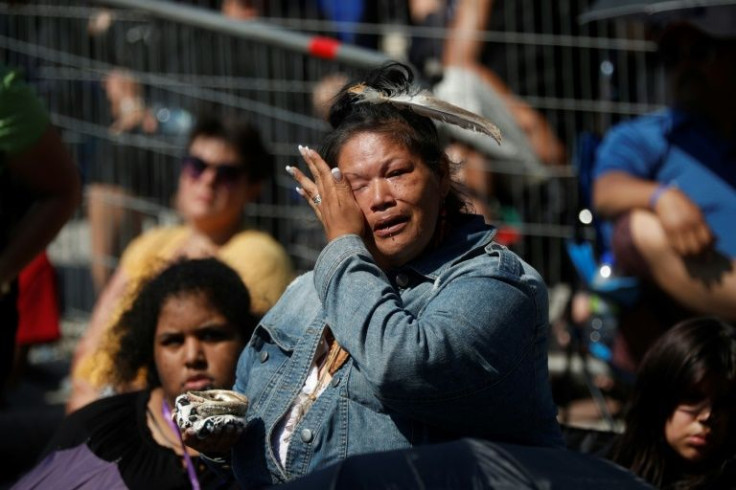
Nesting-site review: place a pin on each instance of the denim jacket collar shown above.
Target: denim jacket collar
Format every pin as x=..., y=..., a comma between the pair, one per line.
x=469, y=235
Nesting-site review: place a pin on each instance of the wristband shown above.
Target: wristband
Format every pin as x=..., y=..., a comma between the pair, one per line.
x=661, y=188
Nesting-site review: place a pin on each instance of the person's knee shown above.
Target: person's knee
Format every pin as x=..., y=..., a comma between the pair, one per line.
x=635, y=236
x=647, y=235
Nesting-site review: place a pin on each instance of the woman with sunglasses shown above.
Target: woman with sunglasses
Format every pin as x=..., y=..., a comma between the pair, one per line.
x=223, y=170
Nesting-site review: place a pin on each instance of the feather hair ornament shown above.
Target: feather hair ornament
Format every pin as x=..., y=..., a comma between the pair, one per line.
x=425, y=104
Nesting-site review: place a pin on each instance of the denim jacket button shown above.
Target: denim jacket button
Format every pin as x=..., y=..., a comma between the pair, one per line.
x=307, y=435
x=402, y=280
x=264, y=356
x=335, y=381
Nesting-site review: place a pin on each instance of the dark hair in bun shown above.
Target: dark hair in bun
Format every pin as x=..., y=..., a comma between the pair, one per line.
x=418, y=134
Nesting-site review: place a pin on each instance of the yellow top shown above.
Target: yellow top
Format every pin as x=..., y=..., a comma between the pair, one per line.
x=260, y=261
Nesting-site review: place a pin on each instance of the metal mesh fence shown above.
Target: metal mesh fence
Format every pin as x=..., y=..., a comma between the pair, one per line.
x=581, y=78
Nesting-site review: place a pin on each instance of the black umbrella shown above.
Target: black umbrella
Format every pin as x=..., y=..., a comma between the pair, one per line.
x=470, y=464
x=664, y=10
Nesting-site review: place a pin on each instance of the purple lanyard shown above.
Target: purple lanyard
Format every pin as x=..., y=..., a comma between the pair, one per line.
x=187, y=459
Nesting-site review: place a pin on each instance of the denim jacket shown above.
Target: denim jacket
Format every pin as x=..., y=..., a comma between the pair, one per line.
x=453, y=344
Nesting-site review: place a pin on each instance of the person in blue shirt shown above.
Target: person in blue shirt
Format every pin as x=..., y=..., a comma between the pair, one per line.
x=414, y=327
x=668, y=179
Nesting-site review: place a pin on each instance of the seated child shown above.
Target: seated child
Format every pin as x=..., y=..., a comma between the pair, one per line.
x=184, y=332
x=680, y=427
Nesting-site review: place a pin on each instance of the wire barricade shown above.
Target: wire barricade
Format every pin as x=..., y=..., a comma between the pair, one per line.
x=185, y=59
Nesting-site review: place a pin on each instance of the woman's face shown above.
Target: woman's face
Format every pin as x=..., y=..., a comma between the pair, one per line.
x=195, y=348
x=207, y=195
x=695, y=430
x=398, y=194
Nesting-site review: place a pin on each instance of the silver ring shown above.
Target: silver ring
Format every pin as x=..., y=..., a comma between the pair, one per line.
x=317, y=199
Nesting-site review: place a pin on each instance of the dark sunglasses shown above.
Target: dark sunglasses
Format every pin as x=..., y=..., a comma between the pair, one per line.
x=224, y=173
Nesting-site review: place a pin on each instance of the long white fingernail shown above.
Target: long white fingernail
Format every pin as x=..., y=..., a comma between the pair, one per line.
x=289, y=170
x=301, y=149
x=336, y=174
x=300, y=191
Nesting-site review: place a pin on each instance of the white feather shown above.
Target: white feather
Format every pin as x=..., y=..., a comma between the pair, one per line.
x=425, y=104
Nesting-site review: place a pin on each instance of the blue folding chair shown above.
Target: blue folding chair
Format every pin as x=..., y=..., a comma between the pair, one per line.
x=587, y=257
x=608, y=294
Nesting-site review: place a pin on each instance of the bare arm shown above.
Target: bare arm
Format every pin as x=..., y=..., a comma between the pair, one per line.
x=463, y=48
x=688, y=233
x=47, y=171
x=616, y=193
x=463, y=44
x=83, y=391
x=542, y=138
x=101, y=315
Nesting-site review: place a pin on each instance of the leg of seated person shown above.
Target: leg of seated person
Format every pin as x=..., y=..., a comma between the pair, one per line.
x=653, y=313
x=475, y=174
x=543, y=140
x=83, y=393
x=112, y=226
x=704, y=286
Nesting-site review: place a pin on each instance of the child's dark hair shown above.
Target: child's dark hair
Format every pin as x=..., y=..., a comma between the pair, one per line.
x=136, y=328
x=672, y=372
x=418, y=134
x=244, y=137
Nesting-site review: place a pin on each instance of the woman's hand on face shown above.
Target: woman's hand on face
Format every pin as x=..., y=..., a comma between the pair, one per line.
x=329, y=195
